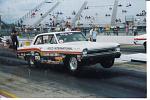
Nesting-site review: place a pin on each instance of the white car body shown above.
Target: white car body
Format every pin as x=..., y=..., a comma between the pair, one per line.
x=59, y=51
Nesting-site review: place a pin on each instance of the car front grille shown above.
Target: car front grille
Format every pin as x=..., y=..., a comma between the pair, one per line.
x=105, y=50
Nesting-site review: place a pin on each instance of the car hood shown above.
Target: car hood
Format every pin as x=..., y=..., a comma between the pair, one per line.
x=92, y=45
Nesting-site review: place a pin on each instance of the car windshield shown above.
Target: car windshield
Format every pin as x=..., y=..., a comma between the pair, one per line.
x=70, y=37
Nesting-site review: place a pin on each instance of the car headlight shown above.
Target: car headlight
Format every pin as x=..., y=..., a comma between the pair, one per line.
x=84, y=52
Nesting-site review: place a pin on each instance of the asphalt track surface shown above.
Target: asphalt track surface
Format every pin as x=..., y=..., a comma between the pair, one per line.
x=132, y=48
x=93, y=81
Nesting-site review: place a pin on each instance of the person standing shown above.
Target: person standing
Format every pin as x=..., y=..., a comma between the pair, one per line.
x=130, y=29
x=15, y=42
x=116, y=29
x=107, y=30
x=127, y=29
x=135, y=30
x=94, y=34
x=91, y=32
x=68, y=28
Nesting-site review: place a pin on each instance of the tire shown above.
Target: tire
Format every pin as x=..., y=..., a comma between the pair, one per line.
x=32, y=63
x=107, y=63
x=145, y=46
x=72, y=65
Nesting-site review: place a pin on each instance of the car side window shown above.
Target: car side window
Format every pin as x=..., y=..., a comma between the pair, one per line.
x=49, y=39
x=39, y=40
x=46, y=39
x=53, y=40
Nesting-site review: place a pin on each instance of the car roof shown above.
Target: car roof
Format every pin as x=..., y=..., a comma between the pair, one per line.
x=57, y=32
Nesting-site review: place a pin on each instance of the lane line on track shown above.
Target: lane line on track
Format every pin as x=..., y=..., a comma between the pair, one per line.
x=4, y=93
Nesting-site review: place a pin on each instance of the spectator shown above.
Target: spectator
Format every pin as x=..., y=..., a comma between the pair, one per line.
x=135, y=30
x=130, y=29
x=113, y=29
x=15, y=42
x=94, y=34
x=116, y=28
x=101, y=29
x=107, y=29
x=91, y=32
x=68, y=28
x=57, y=29
x=127, y=29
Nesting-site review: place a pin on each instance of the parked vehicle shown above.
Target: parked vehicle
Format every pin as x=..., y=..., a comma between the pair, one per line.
x=71, y=49
x=5, y=40
x=141, y=40
x=2, y=39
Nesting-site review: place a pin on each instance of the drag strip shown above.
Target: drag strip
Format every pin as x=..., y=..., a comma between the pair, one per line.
x=124, y=80
x=132, y=48
x=91, y=82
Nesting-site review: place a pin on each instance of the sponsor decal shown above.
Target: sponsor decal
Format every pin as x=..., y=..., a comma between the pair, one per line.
x=60, y=48
x=66, y=50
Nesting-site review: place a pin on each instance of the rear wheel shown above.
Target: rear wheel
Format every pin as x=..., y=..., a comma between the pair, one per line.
x=107, y=62
x=145, y=46
x=32, y=62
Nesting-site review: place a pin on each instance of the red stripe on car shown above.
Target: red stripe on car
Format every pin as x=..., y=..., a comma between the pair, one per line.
x=139, y=38
x=38, y=50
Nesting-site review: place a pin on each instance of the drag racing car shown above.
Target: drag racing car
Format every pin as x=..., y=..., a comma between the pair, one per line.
x=71, y=49
x=141, y=40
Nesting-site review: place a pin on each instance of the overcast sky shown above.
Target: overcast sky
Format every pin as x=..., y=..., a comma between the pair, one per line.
x=11, y=10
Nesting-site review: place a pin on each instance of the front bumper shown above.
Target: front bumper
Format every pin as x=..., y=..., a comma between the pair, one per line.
x=96, y=58
x=102, y=55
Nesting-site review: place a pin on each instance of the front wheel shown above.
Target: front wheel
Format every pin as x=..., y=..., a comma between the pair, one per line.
x=107, y=63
